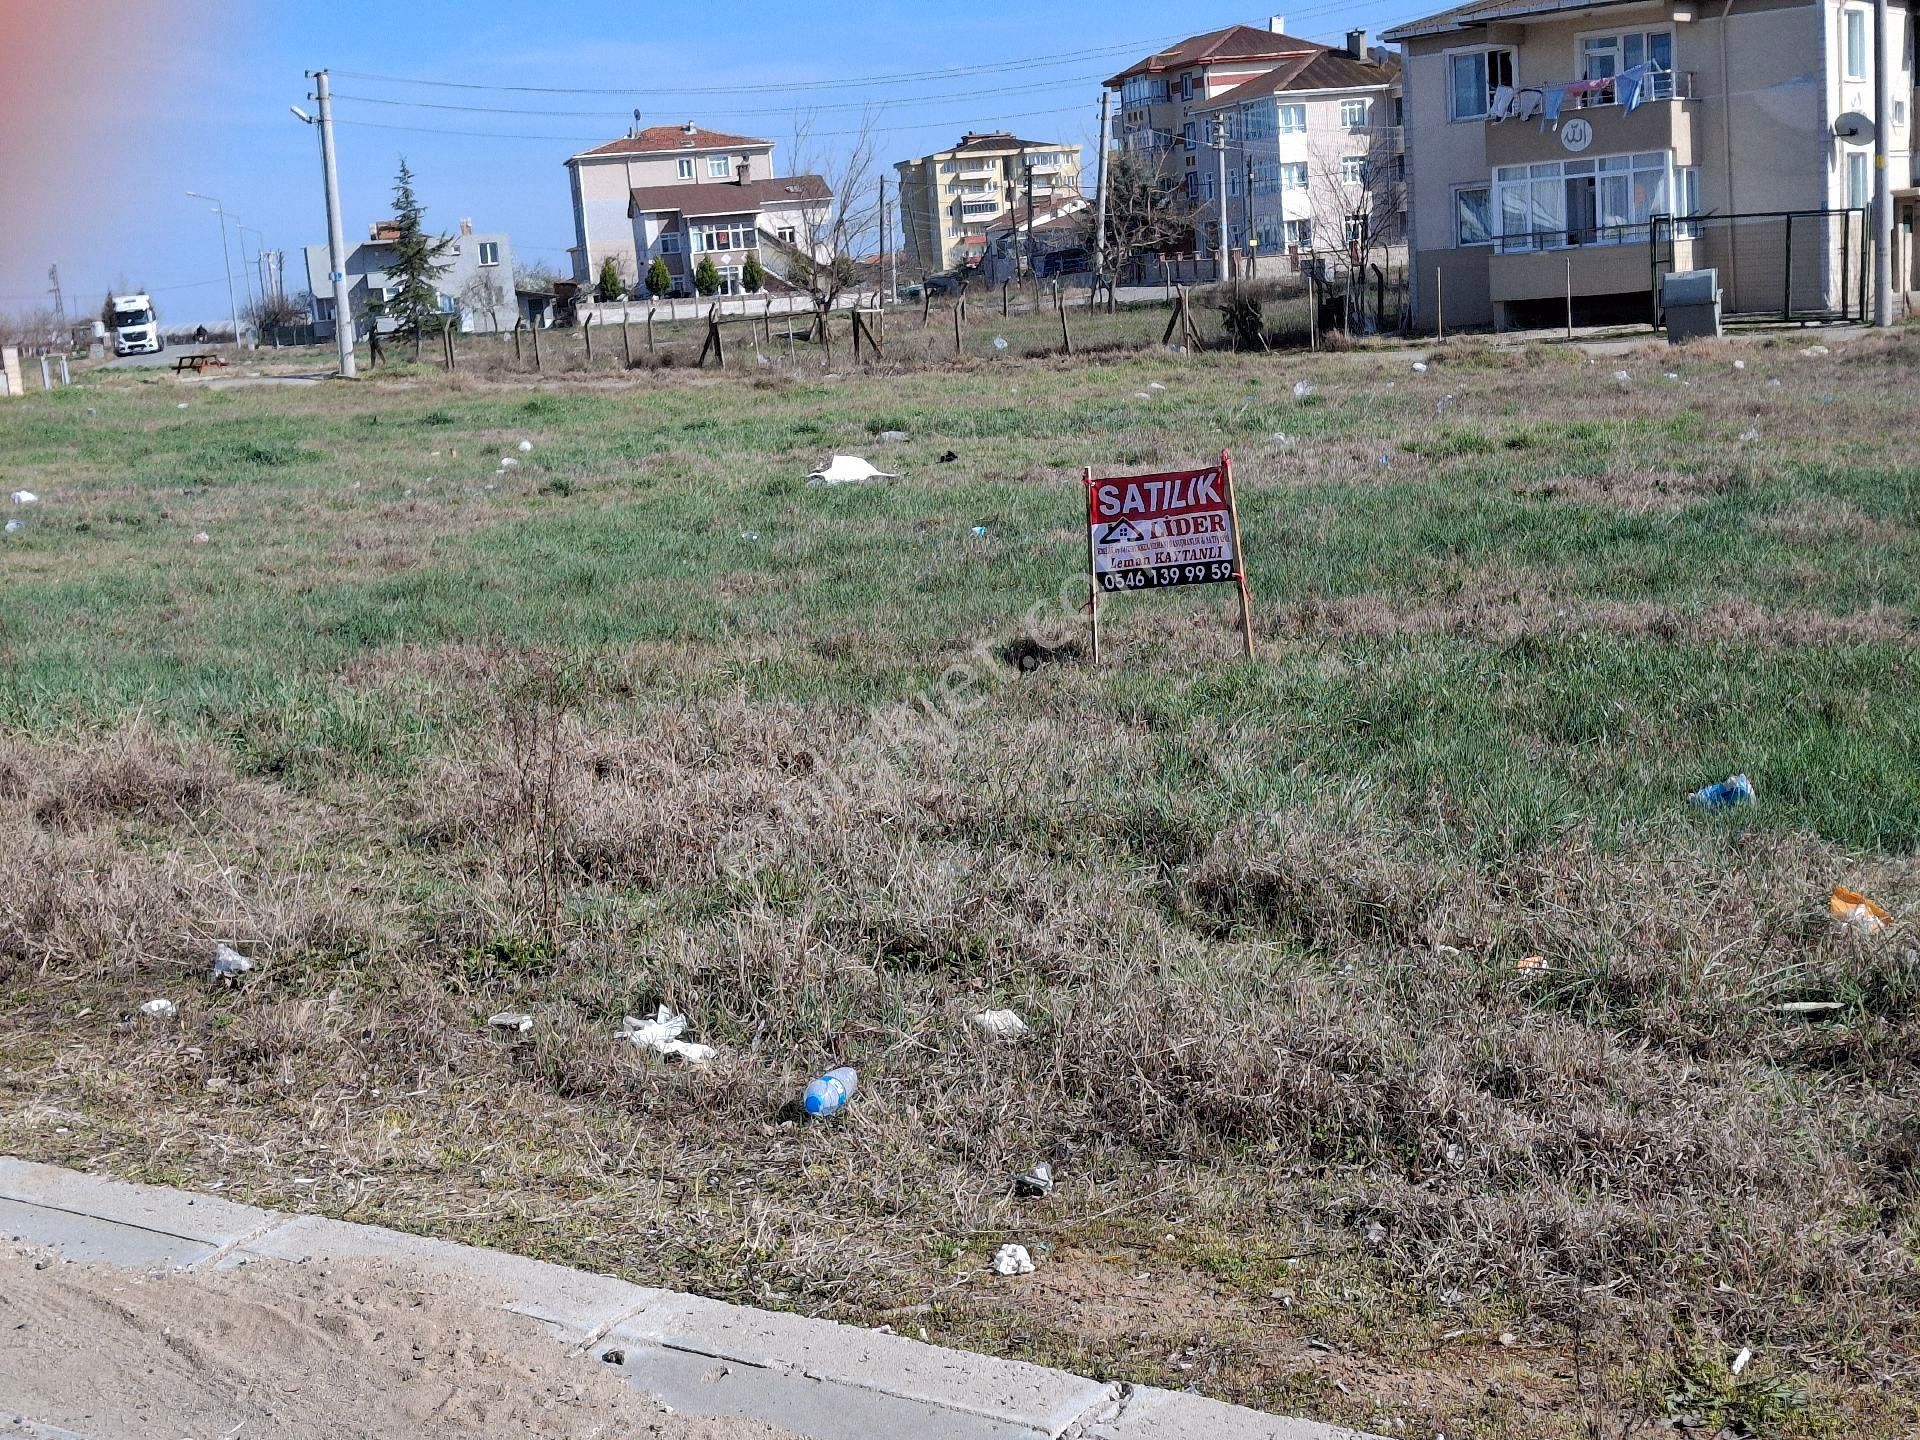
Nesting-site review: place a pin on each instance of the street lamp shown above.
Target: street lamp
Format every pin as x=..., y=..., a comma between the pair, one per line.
x=233, y=309
x=336, y=237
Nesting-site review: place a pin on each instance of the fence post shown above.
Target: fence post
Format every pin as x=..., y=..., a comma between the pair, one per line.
x=1439, y=303
x=1570, y=297
x=1786, y=278
x=516, y=340
x=650, y=330
x=956, y=331
x=586, y=332
x=533, y=331
x=1066, y=335
x=1003, y=299
x=626, y=338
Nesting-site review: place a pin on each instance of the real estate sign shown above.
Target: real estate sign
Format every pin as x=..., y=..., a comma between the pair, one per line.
x=1149, y=532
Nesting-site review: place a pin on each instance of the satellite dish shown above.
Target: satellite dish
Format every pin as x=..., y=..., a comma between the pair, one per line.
x=1853, y=126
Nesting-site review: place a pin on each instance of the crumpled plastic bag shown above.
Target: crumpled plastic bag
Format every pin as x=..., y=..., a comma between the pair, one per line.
x=1012, y=1260
x=662, y=1036
x=848, y=470
x=229, y=965
x=1000, y=1025
x=1857, y=912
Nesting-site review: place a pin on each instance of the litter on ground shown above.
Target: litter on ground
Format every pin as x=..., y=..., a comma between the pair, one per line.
x=1001, y=1025
x=1037, y=1181
x=893, y=437
x=517, y=1021
x=1729, y=794
x=1531, y=963
x=1012, y=1260
x=1419, y=367
x=662, y=1034
x=160, y=1009
x=1622, y=376
x=1857, y=912
x=25, y=497
x=15, y=526
x=848, y=470
x=229, y=965
x=1302, y=389
x=526, y=447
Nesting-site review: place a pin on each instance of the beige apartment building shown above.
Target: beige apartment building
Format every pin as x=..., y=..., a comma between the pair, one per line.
x=949, y=200
x=681, y=194
x=1562, y=148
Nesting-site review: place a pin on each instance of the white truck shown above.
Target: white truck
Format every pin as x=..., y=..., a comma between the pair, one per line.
x=136, y=329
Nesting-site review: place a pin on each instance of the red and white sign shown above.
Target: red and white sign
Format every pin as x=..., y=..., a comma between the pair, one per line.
x=1151, y=531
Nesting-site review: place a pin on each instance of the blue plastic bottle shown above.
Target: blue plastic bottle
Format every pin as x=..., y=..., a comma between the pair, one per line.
x=1729, y=794
x=830, y=1093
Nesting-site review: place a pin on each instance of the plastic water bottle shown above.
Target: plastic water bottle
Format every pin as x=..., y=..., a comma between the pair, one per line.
x=1734, y=791
x=830, y=1093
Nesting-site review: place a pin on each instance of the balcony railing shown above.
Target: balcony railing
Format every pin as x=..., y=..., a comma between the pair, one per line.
x=1530, y=100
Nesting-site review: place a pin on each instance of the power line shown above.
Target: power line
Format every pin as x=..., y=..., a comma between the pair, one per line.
x=776, y=87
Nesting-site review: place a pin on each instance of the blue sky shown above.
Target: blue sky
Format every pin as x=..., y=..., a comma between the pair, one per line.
x=214, y=117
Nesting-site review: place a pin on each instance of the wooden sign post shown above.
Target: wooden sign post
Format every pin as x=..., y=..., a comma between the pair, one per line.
x=1150, y=532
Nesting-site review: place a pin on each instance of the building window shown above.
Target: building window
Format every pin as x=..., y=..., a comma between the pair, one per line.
x=1266, y=177
x=1471, y=80
x=1353, y=169
x=1473, y=215
x=980, y=207
x=1187, y=134
x=1257, y=122
x=1603, y=201
x=1855, y=22
x=448, y=305
x=718, y=167
x=670, y=242
x=1604, y=56
x=1233, y=183
x=1293, y=176
x=1193, y=185
x=1859, y=191
x=727, y=235
x=1186, y=87
x=1293, y=119
x=730, y=280
x=1353, y=114
x=786, y=234
x=489, y=252
x=1356, y=229
x=683, y=167
x=1206, y=187
x=1299, y=233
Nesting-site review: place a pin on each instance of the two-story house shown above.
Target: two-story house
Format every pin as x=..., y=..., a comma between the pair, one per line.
x=681, y=194
x=1550, y=141
x=475, y=290
x=950, y=199
x=1313, y=151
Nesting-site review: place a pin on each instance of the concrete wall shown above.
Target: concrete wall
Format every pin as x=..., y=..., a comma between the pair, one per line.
x=11, y=385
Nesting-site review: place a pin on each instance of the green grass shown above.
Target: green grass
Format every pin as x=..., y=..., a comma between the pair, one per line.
x=1262, y=916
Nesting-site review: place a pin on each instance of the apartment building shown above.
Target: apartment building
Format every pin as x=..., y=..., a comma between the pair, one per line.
x=949, y=200
x=1313, y=152
x=1161, y=94
x=683, y=194
x=1550, y=140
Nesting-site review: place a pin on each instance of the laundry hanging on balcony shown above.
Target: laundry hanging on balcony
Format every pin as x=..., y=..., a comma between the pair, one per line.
x=1636, y=86
x=1528, y=102
x=1552, y=97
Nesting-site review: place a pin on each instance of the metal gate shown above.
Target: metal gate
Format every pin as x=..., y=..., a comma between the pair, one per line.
x=1806, y=265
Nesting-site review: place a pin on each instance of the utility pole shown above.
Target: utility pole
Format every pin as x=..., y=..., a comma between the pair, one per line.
x=1026, y=165
x=1220, y=155
x=336, y=236
x=1253, y=226
x=1882, y=179
x=59, y=300
x=1100, y=189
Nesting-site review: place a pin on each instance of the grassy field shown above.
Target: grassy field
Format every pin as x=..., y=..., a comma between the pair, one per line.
x=646, y=718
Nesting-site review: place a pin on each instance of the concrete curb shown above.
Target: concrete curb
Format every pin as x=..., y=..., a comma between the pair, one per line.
x=815, y=1377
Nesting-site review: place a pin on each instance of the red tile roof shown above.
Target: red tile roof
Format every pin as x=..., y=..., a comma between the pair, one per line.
x=1002, y=140
x=1235, y=43
x=724, y=197
x=1328, y=70
x=660, y=139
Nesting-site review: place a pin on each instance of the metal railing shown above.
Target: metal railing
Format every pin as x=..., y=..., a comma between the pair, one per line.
x=1570, y=237
x=1660, y=85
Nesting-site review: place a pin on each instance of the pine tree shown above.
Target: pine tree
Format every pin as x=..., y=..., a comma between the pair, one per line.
x=753, y=275
x=609, y=287
x=659, y=278
x=417, y=261
x=706, y=279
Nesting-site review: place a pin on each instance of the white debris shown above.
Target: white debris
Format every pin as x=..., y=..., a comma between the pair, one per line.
x=1155, y=385
x=1419, y=367
x=181, y=406
x=160, y=1009
x=14, y=526
x=662, y=1036
x=1816, y=350
x=1141, y=395
x=202, y=538
x=507, y=462
x=25, y=497
x=1671, y=375
x=1012, y=1260
x=229, y=964
x=526, y=447
x=1376, y=1233
x=1742, y=1360
x=893, y=437
x=1302, y=389
x=999, y=342
x=1622, y=376
x=517, y=1021
x=1282, y=439
x=1739, y=364
x=848, y=470
x=1001, y=1025
x=1747, y=437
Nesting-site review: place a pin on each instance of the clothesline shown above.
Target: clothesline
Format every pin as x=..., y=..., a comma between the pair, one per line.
x=1632, y=88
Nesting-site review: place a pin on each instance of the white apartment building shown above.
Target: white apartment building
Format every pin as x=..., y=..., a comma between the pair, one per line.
x=1580, y=146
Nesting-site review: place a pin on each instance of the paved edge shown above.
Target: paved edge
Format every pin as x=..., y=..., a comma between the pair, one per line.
x=832, y=1381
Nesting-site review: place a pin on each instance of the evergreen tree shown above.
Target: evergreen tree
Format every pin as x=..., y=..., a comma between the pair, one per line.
x=417, y=263
x=659, y=278
x=609, y=287
x=706, y=279
x=753, y=275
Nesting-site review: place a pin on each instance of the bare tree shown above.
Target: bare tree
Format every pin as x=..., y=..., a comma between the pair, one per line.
x=1355, y=191
x=839, y=228
x=1148, y=211
x=484, y=295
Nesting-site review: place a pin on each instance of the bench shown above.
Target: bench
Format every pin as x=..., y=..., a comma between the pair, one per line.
x=197, y=363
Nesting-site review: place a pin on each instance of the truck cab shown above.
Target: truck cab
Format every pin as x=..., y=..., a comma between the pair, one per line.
x=136, y=329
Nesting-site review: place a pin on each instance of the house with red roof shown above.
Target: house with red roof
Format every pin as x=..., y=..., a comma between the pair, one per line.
x=682, y=194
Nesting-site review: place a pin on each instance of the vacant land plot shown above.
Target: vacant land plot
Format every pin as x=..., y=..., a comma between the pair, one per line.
x=644, y=718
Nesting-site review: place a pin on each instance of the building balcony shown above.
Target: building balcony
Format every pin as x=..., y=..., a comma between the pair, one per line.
x=1664, y=122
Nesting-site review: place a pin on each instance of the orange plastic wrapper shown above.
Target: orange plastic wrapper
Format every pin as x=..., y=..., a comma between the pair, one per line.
x=1856, y=910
